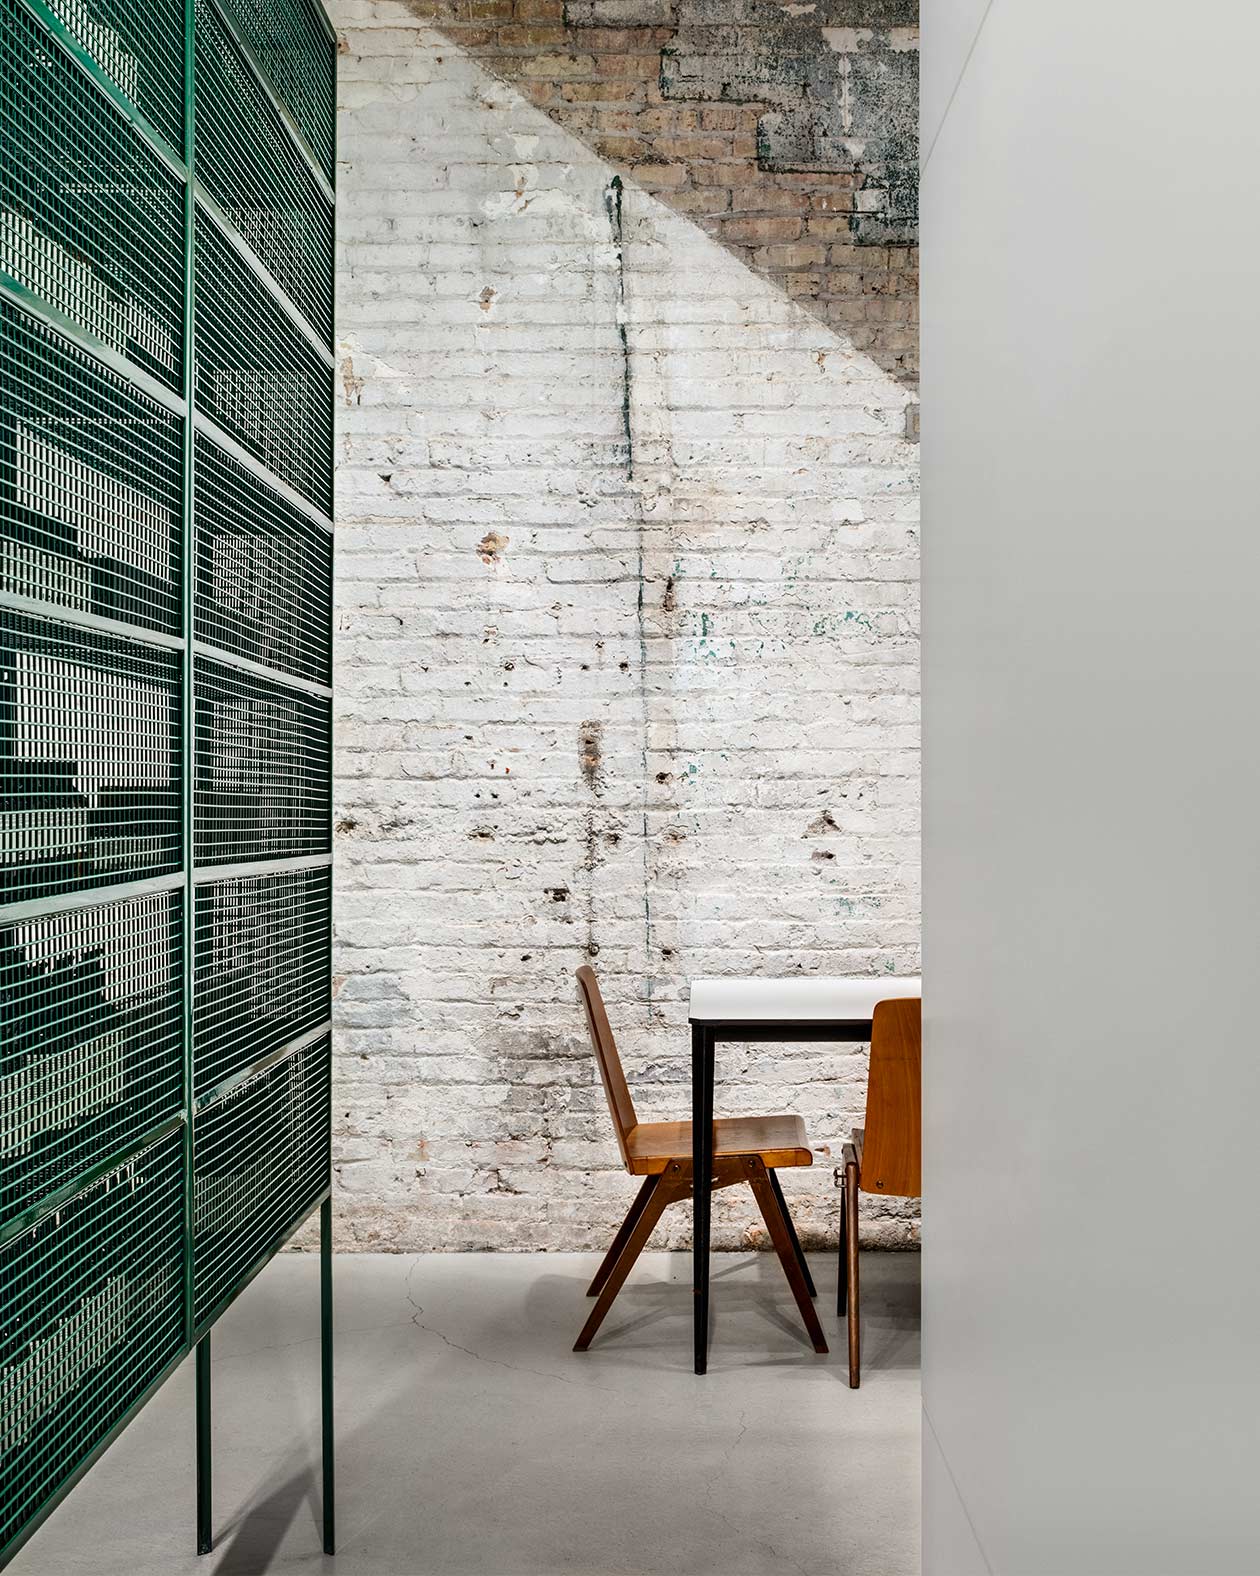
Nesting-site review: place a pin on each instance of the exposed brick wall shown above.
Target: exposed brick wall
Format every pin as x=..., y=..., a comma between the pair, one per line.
x=786, y=130
x=627, y=664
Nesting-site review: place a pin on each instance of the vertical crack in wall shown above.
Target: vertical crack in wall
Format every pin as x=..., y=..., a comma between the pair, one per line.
x=614, y=201
x=591, y=762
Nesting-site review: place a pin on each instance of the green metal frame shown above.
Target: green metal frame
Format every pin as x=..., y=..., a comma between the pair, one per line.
x=103, y=932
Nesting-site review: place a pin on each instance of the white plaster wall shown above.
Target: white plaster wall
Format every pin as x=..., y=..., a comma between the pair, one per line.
x=1091, y=1081
x=627, y=663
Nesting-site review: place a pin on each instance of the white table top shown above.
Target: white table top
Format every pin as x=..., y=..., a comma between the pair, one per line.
x=807, y=999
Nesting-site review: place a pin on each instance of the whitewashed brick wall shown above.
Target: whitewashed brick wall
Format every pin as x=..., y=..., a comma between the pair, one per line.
x=627, y=664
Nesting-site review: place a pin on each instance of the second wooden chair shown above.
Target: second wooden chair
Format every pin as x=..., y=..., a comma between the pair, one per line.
x=883, y=1155
x=745, y=1149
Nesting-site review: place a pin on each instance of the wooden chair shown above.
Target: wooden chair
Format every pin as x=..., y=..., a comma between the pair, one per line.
x=883, y=1156
x=745, y=1149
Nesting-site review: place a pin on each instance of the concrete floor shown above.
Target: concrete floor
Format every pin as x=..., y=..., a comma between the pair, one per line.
x=472, y=1442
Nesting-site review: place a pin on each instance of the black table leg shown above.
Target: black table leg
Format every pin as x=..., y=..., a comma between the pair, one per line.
x=701, y=1178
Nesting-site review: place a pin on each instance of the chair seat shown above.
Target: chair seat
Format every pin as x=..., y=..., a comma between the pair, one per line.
x=779, y=1140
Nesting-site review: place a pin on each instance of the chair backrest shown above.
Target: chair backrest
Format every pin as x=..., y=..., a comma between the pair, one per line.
x=605, y=1047
x=891, y=1141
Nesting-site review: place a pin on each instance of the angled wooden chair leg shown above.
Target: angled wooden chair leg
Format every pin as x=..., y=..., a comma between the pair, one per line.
x=842, y=1266
x=779, y=1235
x=851, y=1273
x=623, y=1234
x=791, y=1226
x=661, y=1195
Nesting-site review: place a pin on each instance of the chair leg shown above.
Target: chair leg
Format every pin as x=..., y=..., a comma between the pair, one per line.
x=842, y=1266
x=777, y=1226
x=791, y=1226
x=623, y=1234
x=641, y=1231
x=851, y=1274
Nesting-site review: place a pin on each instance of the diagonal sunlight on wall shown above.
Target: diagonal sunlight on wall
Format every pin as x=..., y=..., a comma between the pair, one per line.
x=627, y=663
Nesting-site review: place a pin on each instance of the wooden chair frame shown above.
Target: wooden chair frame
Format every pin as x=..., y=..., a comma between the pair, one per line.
x=749, y=1149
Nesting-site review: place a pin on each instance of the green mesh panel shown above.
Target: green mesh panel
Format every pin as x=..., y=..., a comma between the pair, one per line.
x=264, y=571
x=297, y=51
x=90, y=219
x=263, y=769
x=102, y=907
x=262, y=968
x=90, y=476
x=257, y=376
x=262, y=1159
x=139, y=45
x=250, y=164
x=91, y=1310
x=90, y=1039
x=89, y=770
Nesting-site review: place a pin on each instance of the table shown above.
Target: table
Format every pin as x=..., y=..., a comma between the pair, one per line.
x=761, y=1010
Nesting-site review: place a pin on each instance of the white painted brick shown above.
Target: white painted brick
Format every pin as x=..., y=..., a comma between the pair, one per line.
x=737, y=613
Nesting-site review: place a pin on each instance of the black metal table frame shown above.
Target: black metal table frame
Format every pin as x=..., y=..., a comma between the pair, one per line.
x=705, y=1036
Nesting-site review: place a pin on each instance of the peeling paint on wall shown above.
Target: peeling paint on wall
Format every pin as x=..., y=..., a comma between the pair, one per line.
x=627, y=663
x=787, y=132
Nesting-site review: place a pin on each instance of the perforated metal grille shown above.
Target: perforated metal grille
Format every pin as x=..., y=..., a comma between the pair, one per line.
x=91, y=221
x=139, y=45
x=299, y=55
x=88, y=759
x=262, y=968
x=91, y=1311
x=264, y=571
x=250, y=164
x=89, y=482
x=262, y=1159
x=90, y=1039
x=257, y=376
x=262, y=769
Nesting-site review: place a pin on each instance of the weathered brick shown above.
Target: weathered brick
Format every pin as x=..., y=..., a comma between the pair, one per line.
x=560, y=718
x=705, y=200
x=688, y=148
x=799, y=254
x=767, y=199
x=762, y=230
x=730, y=174
x=656, y=177
x=832, y=227
x=621, y=148
x=599, y=93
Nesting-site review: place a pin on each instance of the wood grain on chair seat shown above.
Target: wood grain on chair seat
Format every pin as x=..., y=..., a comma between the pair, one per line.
x=779, y=1140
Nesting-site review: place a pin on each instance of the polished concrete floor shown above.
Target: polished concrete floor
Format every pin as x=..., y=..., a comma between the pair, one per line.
x=472, y=1441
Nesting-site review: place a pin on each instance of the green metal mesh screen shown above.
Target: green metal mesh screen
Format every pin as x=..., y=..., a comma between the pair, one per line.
x=249, y=164
x=264, y=571
x=91, y=1312
x=263, y=769
x=139, y=45
x=90, y=482
x=165, y=617
x=262, y=968
x=90, y=1035
x=91, y=220
x=298, y=52
x=262, y=1159
x=257, y=375
x=89, y=765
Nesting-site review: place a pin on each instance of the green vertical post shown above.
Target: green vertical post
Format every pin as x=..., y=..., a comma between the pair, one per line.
x=187, y=766
x=325, y=1213
x=205, y=1513
x=326, y=1371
